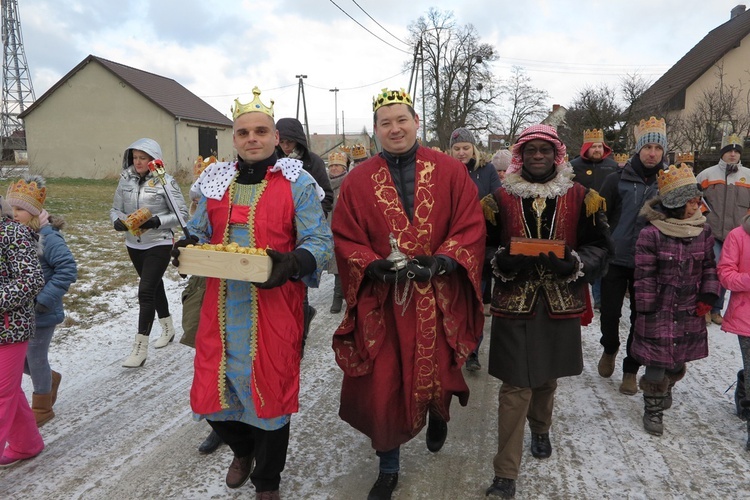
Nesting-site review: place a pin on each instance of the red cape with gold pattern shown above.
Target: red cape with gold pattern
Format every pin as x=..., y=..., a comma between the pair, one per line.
x=398, y=363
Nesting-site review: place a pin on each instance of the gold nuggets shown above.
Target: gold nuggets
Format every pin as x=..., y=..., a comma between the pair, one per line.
x=230, y=248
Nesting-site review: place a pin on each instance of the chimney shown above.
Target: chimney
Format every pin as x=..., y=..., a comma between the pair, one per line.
x=555, y=107
x=738, y=10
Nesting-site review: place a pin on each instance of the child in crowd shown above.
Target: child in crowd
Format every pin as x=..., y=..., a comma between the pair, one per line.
x=675, y=284
x=734, y=275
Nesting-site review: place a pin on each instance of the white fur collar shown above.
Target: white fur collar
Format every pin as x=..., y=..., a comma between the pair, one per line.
x=516, y=185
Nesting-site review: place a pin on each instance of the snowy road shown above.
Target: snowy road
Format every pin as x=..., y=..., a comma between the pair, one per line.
x=127, y=434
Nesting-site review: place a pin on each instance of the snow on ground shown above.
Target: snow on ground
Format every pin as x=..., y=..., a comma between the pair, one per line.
x=129, y=433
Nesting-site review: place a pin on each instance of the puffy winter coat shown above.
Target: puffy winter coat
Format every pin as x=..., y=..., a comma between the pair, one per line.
x=727, y=196
x=734, y=274
x=21, y=279
x=134, y=192
x=60, y=271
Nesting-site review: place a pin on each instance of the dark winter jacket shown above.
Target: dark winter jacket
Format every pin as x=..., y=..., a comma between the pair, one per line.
x=670, y=275
x=60, y=271
x=592, y=174
x=291, y=129
x=403, y=170
x=21, y=279
x=626, y=192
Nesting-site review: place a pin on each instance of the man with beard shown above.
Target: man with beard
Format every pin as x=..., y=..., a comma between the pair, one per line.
x=540, y=294
x=626, y=191
x=409, y=241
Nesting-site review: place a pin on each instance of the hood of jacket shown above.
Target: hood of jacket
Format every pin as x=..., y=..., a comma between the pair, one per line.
x=149, y=146
x=291, y=129
x=587, y=145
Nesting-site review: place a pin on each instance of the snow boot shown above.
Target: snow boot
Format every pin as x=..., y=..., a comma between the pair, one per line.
x=137, y=356
x=654, y=394
x=739, y=396
x=41, y=404
x=629, y=384
x=56, y=377
x=606, y=366
x=673, y=379
x=167, y=332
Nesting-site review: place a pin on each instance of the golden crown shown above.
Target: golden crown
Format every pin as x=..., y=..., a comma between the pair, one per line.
x=593, y=135
x=731, y=140
x=386, y=97
x=345, y=149
x=337, y=158
x=621, y=157
x=651, y=125
x=200, y=165
x=684, y=158
x=358, y=152
x=27, y=194
x=254, y=105
x=674, y=177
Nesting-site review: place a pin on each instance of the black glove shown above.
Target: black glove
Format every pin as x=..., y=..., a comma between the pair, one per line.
x=285, y=265
x=382, y=270
x=175, y=253
x=423, y=267
x=507, y=263
x=152, y=223
x=120, y=225
x=707, y=298
x=561, y=267
x=41, y=308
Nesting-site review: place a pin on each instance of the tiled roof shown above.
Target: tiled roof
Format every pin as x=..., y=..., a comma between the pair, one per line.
x=163, y=92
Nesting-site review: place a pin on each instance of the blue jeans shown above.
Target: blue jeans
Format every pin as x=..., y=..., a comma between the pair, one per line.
x=37, y=362
x=596, y=291
x=389, y=460
x=719, y=304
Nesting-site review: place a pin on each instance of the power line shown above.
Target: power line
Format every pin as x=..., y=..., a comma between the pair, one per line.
x=585, y=65
x=381, y=26
x=366, y=85
x=370, y=32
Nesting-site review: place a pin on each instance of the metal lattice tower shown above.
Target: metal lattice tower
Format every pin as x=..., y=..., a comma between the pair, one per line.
x=17, y=92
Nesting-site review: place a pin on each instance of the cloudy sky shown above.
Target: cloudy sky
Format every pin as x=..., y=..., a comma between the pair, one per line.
x=221, y=49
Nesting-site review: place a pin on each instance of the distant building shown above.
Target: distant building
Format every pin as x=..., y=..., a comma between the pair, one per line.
x=82, y=124
x=556, y=117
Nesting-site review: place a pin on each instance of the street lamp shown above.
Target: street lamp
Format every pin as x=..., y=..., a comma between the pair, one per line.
x=335, y=107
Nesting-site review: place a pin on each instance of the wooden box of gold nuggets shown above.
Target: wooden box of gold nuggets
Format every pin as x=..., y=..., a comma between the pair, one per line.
x=230, y=261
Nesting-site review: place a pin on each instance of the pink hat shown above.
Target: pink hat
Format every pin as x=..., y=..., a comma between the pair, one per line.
x=543, y=132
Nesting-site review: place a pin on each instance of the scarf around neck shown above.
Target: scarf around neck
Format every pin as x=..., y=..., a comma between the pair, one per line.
x=681, y=228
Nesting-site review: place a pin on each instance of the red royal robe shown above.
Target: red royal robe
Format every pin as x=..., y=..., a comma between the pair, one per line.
x=396, y=366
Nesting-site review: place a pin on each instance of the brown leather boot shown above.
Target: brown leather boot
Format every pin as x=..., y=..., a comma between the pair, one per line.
x=41, y=404
x=56, y=377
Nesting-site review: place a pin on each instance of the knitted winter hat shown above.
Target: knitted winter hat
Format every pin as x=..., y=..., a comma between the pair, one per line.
x=28, y=193
x=501, y=159
x=677, y=185
x=652, y=131
x=461, y=135
x=732, y=142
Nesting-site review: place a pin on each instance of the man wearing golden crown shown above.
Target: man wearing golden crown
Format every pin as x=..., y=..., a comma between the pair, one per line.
x=726, y=190
x=409, y=243
x=249, y=339
x=626, y=191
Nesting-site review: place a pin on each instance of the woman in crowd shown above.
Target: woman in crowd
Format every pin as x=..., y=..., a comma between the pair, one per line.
x=338, y=167
x=141, y=210
x=27, y=197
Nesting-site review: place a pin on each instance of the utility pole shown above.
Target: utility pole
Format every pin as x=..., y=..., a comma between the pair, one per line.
x=301, y=92
x=335, y=107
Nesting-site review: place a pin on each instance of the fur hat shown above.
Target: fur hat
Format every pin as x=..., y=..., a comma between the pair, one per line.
x=677, y=185
x=461, y=135
x=28, y=194
x=501, y=159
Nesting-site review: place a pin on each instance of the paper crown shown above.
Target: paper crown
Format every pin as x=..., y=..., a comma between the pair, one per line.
x=651, y=126
x=675, y=177
x=337, y=158
x=386, y=97
x=358, y=152
x=593, y=135
x=731, y=140
x=254, y=105
x=200, y=165
x=27, y=195
x=621, y=157
x=684, y=158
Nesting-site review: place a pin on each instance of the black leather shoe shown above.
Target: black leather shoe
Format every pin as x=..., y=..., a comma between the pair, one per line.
x=437, y=431
x=211, y=443
x=383, y=487
x=502, y=487
x=540, y=445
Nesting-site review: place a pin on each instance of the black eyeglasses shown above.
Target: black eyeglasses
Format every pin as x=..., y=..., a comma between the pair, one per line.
x=531, y=151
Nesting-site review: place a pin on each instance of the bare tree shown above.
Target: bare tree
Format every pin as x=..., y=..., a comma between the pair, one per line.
x=592, y=108
x=460, y=89
x=523, y=104
x=632, y=88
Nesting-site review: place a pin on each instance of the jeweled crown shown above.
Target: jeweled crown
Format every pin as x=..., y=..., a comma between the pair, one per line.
x=731, y=140
x=200, y=165
x=337, y=158
x=684, y=158
x=674, y=177
x=28, y=192
x=593, y=135
x=253, y=106
x=386, y=97
x=621, y=157
x=358, y=152
x=658, y=126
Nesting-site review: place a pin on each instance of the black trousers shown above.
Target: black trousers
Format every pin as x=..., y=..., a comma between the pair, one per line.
x=618, y=280
x=269, y=448
x=150, y=264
